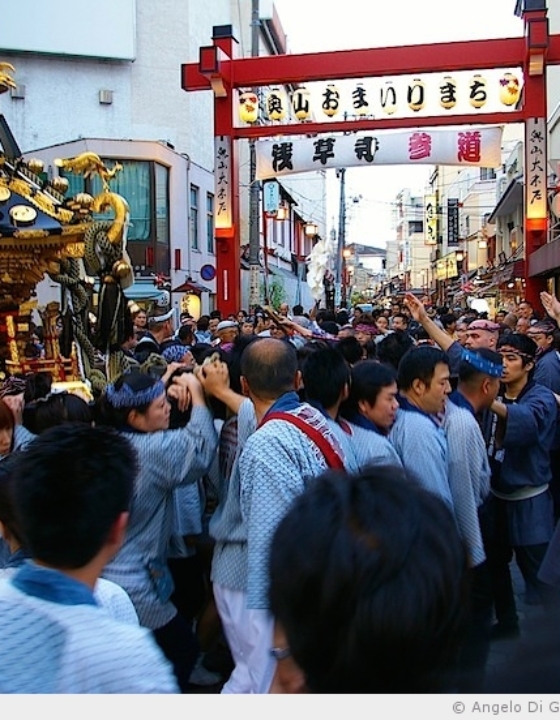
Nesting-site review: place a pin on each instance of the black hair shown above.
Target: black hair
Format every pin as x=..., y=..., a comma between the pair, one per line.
x=419, y=363
x=350, y=349
x=57, y=409
x=202, y=323
x=324, y=314
x=342, y=317
x=522, y=343
x=234, y=360
x=448, y=319
x=8, y=515
x=391, y=349
x=419, y=335
x=369, y=377
x=71, y=484
x=329, y=326
x=402, y=316
x=37, y=385
x=269, y=367
x=185, y=333
x=325, y=374
x=368, y=579
x=297, y=310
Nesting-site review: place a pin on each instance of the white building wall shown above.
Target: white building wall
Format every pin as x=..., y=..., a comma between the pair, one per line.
x=553, y=86
x=61, y=102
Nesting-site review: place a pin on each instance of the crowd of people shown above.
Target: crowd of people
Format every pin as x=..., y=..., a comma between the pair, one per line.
x=330, y=501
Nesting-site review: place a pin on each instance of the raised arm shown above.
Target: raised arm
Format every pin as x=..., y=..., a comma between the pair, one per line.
x=418, y=312
x=552, y=306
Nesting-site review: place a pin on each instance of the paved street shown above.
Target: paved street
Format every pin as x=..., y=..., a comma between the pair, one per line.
x=502, y=650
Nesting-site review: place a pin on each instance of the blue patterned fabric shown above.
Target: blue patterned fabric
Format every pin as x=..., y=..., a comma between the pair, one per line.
x=229, y=564
x=523, y=461
x=49, y=647
x=276, y=464
x=166, y=460
x=469, y=475
x=422, y=448
x=371, y=448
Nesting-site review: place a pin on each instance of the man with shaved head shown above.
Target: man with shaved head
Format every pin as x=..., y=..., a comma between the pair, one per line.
x=293, y=443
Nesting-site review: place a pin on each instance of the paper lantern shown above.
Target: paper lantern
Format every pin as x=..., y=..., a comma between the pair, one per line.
x=359, y=100
x=331, y=101
x=448, y=93
x=510, y=89
x=388, y=98
x=415, y=95
x=300, y=103
x=248, y=107
x=477, y=91
x=276, y=104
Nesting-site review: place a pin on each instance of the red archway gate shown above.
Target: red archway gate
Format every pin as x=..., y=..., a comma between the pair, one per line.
x=219, y=70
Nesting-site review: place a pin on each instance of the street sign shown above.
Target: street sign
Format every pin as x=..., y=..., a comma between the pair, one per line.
x=271, y=197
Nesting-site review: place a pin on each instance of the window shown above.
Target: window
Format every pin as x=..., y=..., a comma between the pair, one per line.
x=210, y=222
x=133, y=182
x=487, y=174
x=415, y=226
x=162, y=204
x=193, y=217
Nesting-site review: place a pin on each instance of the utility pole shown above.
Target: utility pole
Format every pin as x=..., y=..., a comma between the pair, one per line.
x=339, y=299
x=254, y=192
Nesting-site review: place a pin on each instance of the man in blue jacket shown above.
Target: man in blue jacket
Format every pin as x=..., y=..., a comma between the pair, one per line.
x=520, y=433
x=547, y=372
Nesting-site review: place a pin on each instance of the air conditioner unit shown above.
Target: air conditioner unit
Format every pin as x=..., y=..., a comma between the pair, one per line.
x=18, y=93
x=105, y=97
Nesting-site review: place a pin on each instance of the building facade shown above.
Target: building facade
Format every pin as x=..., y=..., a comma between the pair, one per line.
x=116, y=90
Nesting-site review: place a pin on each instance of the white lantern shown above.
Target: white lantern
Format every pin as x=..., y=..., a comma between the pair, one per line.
x=301, y=104
x=276, y=104
x=248, y=107
x=388, y=98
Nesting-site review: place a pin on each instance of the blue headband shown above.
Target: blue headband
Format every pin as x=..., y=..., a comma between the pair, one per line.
x=481, y=364
x=126, y=397
x=175, y=353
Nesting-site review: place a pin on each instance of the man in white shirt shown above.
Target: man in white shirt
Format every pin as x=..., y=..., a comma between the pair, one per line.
x=73, y=487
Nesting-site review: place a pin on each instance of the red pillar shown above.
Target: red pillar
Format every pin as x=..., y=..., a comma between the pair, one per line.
x=228, y=267
x=535, y=229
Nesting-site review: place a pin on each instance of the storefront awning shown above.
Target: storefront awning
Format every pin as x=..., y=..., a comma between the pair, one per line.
x=510, y=200
x=141, y=289
x=191, y=286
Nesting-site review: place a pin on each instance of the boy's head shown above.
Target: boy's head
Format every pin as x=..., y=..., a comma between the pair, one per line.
x=73, y=484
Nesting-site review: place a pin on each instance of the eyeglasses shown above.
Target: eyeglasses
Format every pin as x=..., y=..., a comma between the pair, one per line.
x=280, y=653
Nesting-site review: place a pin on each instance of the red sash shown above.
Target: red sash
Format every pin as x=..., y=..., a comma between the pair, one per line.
x=332, y=458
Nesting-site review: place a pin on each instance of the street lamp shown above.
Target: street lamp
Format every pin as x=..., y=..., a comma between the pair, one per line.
x=310, y=229
x=346, y=255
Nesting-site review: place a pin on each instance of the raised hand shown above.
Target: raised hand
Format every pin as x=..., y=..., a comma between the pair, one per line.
x=552, y=305
x=416, y=307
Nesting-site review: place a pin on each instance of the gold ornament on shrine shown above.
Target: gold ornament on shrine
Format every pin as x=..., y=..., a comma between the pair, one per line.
x=477, y=91
x=276, y=104
x=301, y=104
x=416, y=95
x=248, y=107
x=448, y=93
x=360, y=102
x=510, y=89
x=388, y=98
x=35, y=165
x=331, y=100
